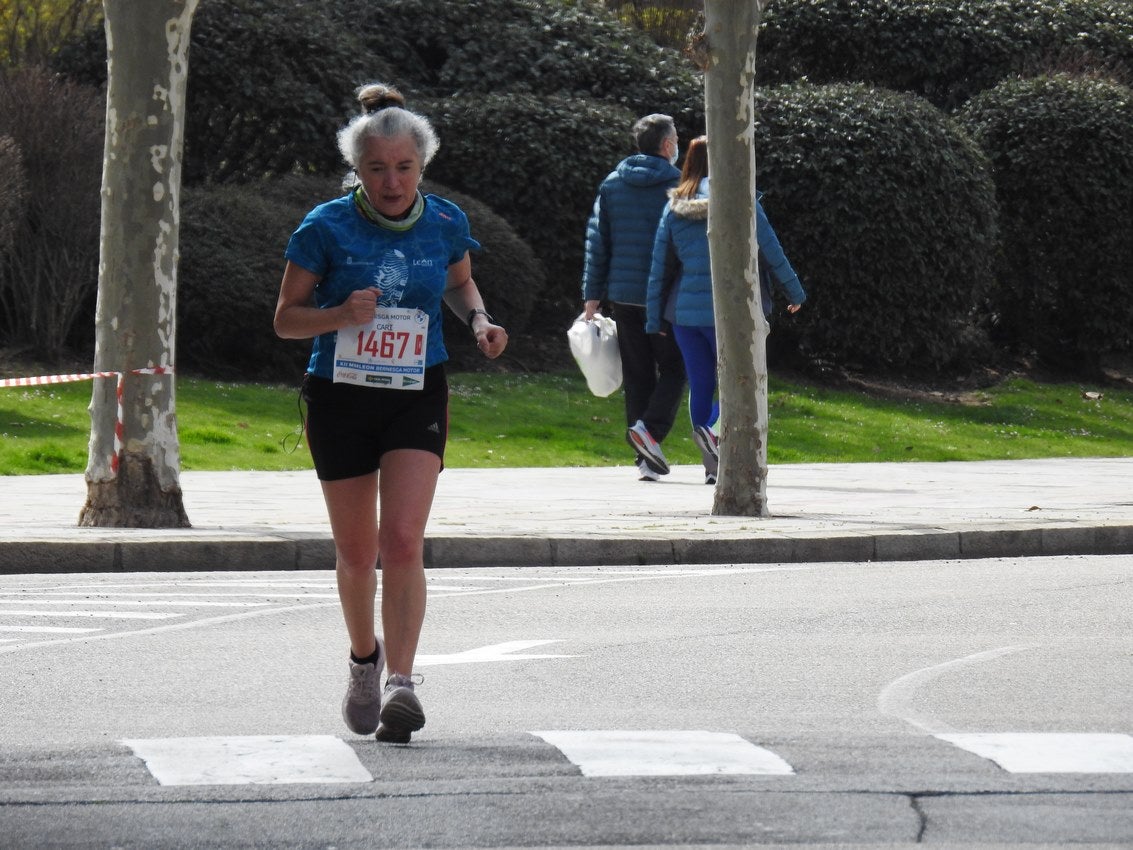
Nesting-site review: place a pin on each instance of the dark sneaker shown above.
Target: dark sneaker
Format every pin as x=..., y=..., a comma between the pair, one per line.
x=363, y=701
x=708, y=443
x=401, y=713
x=638, y=436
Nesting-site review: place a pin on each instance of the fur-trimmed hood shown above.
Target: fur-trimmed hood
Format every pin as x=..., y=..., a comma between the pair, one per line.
x=693, y=208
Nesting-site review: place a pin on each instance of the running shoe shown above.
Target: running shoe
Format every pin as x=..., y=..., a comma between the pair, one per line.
x=644, y=473
x=363, y=700
x=708, y=444
x=401, y=713
x=638, y=436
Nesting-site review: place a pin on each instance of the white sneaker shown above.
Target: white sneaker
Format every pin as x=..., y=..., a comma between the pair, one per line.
x=645, y=473
x=638, y=436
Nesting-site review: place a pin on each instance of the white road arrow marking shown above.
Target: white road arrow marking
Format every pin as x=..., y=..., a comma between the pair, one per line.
x=486, y=654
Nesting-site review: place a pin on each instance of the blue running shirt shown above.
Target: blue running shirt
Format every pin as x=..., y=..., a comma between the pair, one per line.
x=349, y=252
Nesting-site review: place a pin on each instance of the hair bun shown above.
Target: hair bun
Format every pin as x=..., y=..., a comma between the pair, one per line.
x=377, y=96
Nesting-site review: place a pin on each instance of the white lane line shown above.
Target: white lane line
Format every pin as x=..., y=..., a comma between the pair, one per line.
x=109, y=615
x=897, y=698
x=1049, y=752
x=48, y=630
x=212, y=595
x=173, y=603
x=250, y=760
x=172, y=627
x=664, y=753
x=322, y=585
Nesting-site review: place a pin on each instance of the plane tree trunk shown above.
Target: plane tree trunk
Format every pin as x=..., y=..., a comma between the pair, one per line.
x=727, y=52
x=133, y=469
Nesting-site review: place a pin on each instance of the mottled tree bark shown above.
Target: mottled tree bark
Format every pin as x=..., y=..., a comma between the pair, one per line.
x=728, y=55
x=147, y=52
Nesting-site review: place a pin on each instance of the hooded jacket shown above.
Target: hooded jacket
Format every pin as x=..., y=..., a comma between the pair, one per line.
x=680, y=277
x=620, y=233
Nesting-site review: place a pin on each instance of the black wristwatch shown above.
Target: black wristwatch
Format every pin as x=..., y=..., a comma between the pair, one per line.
x=484, y=313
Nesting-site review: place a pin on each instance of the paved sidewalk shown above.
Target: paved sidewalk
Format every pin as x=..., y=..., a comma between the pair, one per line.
x=604, y=516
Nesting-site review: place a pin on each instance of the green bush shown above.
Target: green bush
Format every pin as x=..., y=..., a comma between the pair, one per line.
x=887, y=211
x=13, y=190
x=507, y=272
x=232, y=243
x=570, y=47
x=49, y=274
x=943, y=51
x=562, y=83
x=269, y=84
x=1061, y=150
x=540, y=159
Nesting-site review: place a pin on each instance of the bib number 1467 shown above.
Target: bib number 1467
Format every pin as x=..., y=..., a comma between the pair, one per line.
x=389, y=345
x=387, y=352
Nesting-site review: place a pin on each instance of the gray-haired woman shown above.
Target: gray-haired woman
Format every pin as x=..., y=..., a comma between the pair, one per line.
x=365, y=277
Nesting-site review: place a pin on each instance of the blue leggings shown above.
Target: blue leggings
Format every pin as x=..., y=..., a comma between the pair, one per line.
x=698, y=348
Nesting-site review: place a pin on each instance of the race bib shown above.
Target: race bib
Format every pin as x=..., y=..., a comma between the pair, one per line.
x=388, y=352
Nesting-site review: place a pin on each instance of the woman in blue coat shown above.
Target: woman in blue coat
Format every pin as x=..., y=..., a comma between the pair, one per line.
x=680, y=291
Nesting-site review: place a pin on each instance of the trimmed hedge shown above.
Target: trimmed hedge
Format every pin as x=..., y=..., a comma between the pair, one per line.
x=887, y=210
x=269, y=85
x=540, y=159
x=1061, y=149
x=573, y=48
x=560, y=83
x=943, y=50
x=232, y=243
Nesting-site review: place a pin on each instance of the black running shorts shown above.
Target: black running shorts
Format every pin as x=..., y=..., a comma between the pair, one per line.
x=350, y=427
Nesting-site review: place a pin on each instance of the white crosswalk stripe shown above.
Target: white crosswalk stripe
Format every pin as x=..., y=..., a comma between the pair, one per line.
x=250, y=760
x=1049, y=752
x=665, y=753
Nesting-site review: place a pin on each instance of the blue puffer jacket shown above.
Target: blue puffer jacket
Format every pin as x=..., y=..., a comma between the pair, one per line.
x=619, y=236
x=773, y=260
x=680, y=278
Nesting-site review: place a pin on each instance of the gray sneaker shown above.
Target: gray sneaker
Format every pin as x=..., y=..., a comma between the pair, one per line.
x=363, y=700
x=401, y=713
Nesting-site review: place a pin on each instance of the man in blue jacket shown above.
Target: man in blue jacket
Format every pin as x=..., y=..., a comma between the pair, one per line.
x=619, y=249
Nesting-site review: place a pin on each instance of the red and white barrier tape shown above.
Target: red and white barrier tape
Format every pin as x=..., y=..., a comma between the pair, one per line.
x=119, y=425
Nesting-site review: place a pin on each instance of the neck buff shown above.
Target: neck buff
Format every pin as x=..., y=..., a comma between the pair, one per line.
x=399, y=225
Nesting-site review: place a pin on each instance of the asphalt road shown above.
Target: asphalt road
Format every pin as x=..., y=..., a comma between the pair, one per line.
x=960, y=703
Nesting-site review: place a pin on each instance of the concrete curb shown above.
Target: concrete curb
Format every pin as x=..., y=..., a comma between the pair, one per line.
x=183, y=553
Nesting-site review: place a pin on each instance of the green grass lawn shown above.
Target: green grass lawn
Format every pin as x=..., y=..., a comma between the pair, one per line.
x=551, y=420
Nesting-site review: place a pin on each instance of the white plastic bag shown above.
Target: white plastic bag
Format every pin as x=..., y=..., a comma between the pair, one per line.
x=594, y=345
